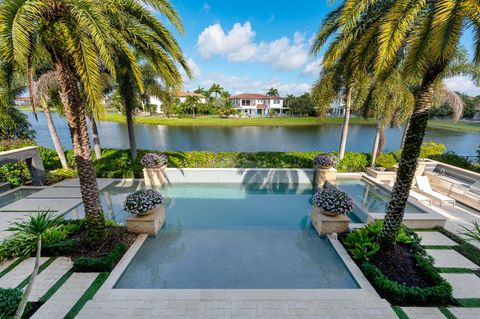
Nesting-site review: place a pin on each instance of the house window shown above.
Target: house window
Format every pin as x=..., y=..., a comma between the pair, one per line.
x=245, y=102
x=276, y=102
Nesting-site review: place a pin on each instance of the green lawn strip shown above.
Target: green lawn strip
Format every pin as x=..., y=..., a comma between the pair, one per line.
x=447, y=313
x=469, y=302
x=13, y=265
x=464, y=247
x=55, y=286
x=437, y=247
x=88, y=295
x=455, y=270
x=40, y=269
x=399, y=312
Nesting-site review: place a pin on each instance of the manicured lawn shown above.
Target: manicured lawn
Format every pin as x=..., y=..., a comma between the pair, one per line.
x=216, y=121
x=459, y=126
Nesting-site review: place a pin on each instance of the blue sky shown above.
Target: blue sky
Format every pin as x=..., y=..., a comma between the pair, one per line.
x=249, y=46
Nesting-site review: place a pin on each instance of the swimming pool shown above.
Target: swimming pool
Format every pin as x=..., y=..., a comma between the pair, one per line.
x=17, y=194
x=368, y=198
x=232, y=236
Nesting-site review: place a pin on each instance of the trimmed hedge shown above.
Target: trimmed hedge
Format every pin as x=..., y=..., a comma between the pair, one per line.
x=100, y=264
x=9, y=301
x=401, y=294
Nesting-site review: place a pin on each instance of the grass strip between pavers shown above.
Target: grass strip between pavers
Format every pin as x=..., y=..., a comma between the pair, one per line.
x=55, y=287
x=399, y=312
x=469, y=302
x=437, y=247
x=447, y=313
x=464, y=247
x=456, y=270
x=88, y=295
x=13, y=265
x=40, y=269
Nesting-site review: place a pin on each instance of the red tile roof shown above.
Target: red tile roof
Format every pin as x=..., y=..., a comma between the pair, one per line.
x=261, y=107
x=185, y=94
x=255, y=96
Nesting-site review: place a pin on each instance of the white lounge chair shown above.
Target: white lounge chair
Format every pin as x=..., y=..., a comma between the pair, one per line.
x=424, y=186
x=422, y=199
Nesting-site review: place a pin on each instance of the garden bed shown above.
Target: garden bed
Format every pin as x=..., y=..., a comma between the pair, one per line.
x=404, y=275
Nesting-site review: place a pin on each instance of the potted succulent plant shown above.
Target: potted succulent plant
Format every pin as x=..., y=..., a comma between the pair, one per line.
x=333, y=202
x=325, y=161
x=143, y=202
x=154, y=160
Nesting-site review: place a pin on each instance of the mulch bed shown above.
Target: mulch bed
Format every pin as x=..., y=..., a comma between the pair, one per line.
x=399, y=264
x=115, y=236
x=32, y=307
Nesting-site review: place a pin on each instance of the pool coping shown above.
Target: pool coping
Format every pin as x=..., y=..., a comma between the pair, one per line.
x=365, y=289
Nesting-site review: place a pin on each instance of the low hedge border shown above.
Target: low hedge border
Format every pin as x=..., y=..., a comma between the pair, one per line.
x=464, y=247
x=403, y=295
x=100, y=264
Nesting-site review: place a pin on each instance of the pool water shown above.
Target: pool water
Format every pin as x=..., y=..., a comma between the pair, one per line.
x=368, y=198
x=18, y=194
x=233, y=236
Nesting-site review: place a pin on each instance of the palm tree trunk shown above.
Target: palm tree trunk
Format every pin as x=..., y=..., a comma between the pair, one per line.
x=55, y=138
x=404, y=135
x=346, y=121
x=75, y=113
x=408, y=162
x=131, y=133
x=382, y=140
x=375, y=146
x=31, y=281
x=95, y=137
x=31, y=88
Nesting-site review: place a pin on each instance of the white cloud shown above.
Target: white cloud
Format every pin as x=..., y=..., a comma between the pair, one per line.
x=205, y=7
x=194, y=69
x=313, y=68
x=236, y=85
x=463, y=84
x=237, y=44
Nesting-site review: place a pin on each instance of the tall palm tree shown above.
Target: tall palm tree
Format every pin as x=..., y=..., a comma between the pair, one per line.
x=80, y=37
x=273, y=92
x=191, y=103
x=376, y=36
x=47, y=90
x=216, y=88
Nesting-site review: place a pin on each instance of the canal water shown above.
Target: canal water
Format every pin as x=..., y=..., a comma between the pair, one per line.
x=250, y=138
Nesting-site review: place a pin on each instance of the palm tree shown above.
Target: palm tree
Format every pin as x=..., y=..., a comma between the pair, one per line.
x=47, y=89
x=35, y=226
x=216, y=88
x=272, y=92
x=80, y=37
x=191, y=103
x=375, y=37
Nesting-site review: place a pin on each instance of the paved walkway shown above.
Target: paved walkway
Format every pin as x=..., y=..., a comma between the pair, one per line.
x=63, y=300
x=47, y=278
x=18, y=274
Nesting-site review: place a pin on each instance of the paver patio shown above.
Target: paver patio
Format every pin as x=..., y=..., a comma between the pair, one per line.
x=433, y=238
x=464, y=285
x=423, y=312
x=14, y=277
x=449, y=258
x=49, y=277
x=63, y=300
x=465, y=313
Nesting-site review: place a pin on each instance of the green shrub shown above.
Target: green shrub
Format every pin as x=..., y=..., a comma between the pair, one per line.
x=353, y=162
x=9, y=301
x=386, y=160
x=57, y=175
x=453, y=159
x=362, y=244
x=431, y=148
x=401, y=294
x=100, y=264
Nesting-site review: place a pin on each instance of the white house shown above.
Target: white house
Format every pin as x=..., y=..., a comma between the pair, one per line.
x=181, y=96
x=252, y=104
x=337, y=108
x=476, y=114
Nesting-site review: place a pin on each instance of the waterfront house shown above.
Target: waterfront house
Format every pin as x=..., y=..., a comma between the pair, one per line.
x=253, y=104
x=476, y=114
x=337, y=108
x=22, y=101
x=181, y=96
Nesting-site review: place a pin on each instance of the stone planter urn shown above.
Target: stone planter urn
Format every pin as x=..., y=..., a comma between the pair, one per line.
x=328, y=222
x=148, y=222
x=324, y=168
